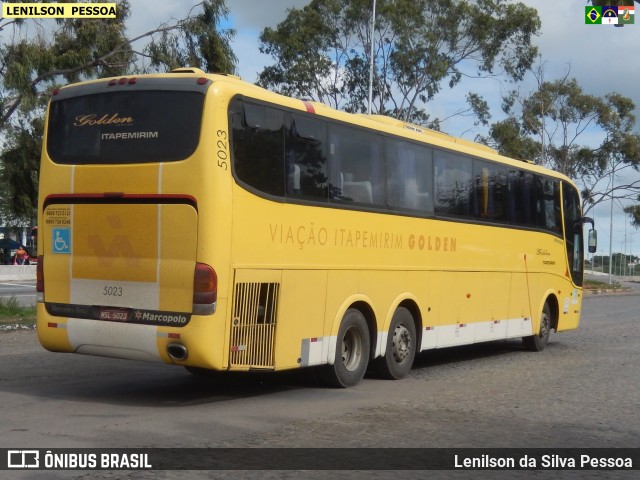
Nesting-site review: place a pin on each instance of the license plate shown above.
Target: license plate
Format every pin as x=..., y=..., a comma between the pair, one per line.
x=114, y=314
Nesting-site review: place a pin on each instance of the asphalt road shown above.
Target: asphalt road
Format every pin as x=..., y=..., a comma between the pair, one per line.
x=583, y=391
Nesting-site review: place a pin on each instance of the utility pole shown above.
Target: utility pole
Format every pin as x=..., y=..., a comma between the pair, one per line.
x=371, y=58
x=613, y=179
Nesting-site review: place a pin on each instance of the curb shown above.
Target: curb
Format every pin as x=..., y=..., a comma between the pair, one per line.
x=610, y=291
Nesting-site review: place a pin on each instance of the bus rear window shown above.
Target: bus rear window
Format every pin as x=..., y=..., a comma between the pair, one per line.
x=125, y=127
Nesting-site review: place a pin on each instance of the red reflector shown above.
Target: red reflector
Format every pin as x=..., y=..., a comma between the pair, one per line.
x=205, y=284
x=174, y=335
x=40, y=275
x=122, y=81
x=202, y=81
x=309, y=106
x=112, y=82
x=52, y=325
x=132, y=81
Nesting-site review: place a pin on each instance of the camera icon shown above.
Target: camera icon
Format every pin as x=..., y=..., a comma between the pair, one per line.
x=23, y=459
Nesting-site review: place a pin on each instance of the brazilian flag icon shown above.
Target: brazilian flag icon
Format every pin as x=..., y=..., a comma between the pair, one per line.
x=592, y=15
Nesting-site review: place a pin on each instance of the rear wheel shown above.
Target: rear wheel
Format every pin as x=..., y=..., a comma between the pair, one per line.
x=401, y=346
x=536, y=343
x=352, y=352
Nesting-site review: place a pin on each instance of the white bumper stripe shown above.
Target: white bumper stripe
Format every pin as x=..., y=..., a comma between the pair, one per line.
x=94, y=337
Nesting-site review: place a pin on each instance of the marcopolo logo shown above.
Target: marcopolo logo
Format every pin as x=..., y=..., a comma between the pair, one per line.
x=23, y=459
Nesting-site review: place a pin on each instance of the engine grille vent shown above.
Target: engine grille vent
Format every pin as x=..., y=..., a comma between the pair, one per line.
x=253, y=326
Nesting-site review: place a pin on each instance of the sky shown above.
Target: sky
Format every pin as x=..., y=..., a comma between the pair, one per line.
x=602, y=58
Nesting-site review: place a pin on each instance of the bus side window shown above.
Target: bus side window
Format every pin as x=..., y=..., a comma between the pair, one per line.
x=409, y=177
x=490, y=189
x=258, y=146
x=453, y=184
x=549, y=206
x=356, y=158
x=307, y=159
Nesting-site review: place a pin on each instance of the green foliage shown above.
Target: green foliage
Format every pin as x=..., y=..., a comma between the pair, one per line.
x=634, y=213
x=11, y=308
x=198, y=42
x=322, y=52
x=510, y=139
x=81, y=48
x=613, y=2
x=19, y=173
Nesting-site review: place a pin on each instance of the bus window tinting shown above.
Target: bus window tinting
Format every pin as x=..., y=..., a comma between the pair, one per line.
x=409, y=180
x=547, y=205
x=125, y=127
x=453, y=184
x=490, y=187
x=522, y=199
x=573, y=231
x=356, y=158
x=301, y=157
x=258, y=147
x=306, y=160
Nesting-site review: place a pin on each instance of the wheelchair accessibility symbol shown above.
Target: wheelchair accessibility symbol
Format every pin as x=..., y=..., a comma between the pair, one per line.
x=61, y=242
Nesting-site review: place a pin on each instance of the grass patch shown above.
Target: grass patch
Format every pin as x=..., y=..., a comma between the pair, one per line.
x=595, y=284
x=11, y=312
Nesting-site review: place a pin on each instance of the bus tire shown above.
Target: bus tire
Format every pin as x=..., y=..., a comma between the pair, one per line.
x=352, y=352
x=401, y=346
x=537, y=342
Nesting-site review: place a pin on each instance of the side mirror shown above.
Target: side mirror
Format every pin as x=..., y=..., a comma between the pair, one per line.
x=593, y=241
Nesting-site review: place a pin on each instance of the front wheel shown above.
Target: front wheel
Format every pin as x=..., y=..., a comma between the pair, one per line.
x=401, y=346
x=352, y=352
x=536, y=343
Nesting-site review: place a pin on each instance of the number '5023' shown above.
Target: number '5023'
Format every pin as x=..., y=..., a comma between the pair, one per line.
x=112, y=291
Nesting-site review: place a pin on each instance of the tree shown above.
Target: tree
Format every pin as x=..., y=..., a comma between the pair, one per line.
x=198, y=42
x=32, y=65
x=634, y=212
x=19, y=174
x=551, y=125
x=321, y=52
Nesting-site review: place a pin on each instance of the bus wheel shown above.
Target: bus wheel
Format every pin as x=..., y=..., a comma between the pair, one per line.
x=536, y=343
x=401, y=346
x=352, y=352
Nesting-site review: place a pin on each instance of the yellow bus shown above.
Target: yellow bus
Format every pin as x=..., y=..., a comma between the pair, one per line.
x=198, y=220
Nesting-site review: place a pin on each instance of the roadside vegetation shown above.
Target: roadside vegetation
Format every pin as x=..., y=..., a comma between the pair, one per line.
x=13, y=314
x=597, y=285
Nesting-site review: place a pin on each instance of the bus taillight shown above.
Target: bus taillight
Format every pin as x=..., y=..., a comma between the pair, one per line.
x=40, y=280
x=205, y=289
